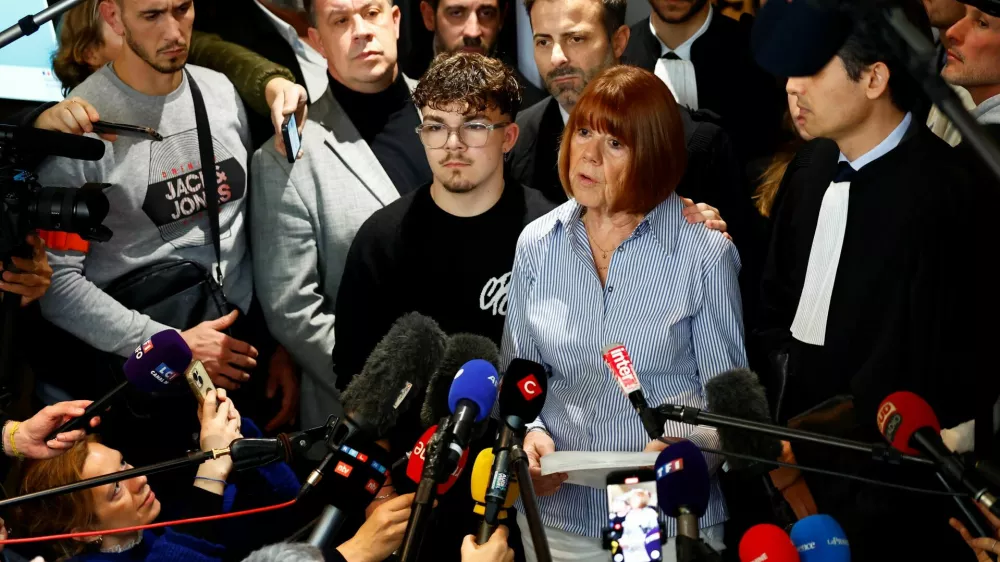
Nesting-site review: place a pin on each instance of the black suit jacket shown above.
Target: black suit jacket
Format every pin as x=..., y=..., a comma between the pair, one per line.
x=244, y=23
x=749, y=101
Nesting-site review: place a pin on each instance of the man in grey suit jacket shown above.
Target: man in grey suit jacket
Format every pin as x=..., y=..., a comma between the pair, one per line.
x=360, y=152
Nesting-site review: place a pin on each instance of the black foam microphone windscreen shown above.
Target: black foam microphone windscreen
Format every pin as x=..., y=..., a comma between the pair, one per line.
x=396, y=373
x=739, y=394
x=461, y=349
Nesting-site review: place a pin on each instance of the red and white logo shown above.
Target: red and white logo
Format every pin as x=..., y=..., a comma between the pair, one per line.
x=147, y=346
x=362, y=457
x=621, y=367
x=529, y=387
x=343, y=469
x=372, y=486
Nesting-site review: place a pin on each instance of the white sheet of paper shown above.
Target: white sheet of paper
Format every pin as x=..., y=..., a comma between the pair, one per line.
x=591, y=468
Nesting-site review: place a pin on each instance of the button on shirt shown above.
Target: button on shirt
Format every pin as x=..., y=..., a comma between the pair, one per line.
x=672, y=299
x=313, y=65
x=677, y=71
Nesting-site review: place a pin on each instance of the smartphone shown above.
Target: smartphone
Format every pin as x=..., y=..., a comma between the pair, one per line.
x=633, y=516
x=290, y=133
x=199, y=381
x=136, y=131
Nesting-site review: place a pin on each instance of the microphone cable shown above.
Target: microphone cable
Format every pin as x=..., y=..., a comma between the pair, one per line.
x=823, y=471
x=151, y=525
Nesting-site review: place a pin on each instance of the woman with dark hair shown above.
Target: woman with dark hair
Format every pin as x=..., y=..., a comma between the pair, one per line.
x=618, y=263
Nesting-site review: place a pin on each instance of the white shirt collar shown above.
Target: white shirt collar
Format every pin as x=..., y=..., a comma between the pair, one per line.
x=684, y=49
x=890, y=142
x=563, y=112
x=291, y=36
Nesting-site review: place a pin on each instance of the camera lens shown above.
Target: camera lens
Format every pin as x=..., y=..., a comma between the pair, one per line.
x=69, y=209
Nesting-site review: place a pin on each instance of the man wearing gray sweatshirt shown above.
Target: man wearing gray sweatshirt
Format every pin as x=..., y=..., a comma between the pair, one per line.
x=157, y=198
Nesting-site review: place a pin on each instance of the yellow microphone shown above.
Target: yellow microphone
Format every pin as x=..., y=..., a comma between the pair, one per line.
x=480, y=483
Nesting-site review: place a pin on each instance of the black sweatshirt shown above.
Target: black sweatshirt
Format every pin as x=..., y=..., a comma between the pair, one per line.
x=413, y=256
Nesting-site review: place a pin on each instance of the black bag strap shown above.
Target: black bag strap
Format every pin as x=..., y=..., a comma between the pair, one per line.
x=207, y=150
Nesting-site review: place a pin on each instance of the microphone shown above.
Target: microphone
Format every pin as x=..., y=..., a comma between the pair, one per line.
x=521, y=398
x=417, y=460
x=909, y=424
x=395, y=373
x=739, y=394
x=683, y=488
x=471, y=399
x=767, y=543
x=819, y=538
x=460, y=349
x=151, y=368
x=51, y=143
x=482, y=478
x=618, y=360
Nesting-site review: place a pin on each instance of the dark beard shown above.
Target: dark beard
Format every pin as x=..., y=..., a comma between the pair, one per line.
x=161, y=68
x=695, y=8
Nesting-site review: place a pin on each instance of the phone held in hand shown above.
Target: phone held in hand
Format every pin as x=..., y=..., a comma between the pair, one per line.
x=290, y=134
x=633, y=531
x=135, y=131
x=199, y=381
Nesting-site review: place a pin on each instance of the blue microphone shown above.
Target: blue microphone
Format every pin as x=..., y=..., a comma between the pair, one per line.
x=682, y=490
x=471, y=399
x=819, y=538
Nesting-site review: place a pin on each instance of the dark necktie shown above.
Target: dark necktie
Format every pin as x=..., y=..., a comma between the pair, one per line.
x=671, y=56
x=845, y=173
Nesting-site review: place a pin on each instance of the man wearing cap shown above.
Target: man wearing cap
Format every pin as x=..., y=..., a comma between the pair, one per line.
x=864, y=293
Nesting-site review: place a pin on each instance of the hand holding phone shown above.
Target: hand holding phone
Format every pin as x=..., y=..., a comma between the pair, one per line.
x=199, y=381
x=135, y=131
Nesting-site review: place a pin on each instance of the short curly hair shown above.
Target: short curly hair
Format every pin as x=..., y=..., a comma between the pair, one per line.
x=478, y=81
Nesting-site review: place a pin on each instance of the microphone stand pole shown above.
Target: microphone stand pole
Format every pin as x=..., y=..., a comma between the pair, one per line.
x=971, y=515
x=542, y=553
x=436, y=470
x=30, y=24
x=879, y=452
x=193, y=458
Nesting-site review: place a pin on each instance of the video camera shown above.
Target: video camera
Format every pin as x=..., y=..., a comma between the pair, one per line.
x=26, y=205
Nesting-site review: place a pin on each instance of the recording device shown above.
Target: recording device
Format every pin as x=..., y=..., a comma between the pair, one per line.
x=633, y=532
x=459, y=350
x=418, y=458
x=618, y=360
x=26, y=206
x=739, y=394
x=199, y=381
x=481, y=480
x=396, y=371
x=151, y=368
x=910, y=425
x=819, y=538
x=521, y=398
x=134, y=131
x=766, y=542
x=290, y=134
x=682, y=480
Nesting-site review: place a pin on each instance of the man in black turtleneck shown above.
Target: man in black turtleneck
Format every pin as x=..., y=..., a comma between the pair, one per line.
x=360, y=153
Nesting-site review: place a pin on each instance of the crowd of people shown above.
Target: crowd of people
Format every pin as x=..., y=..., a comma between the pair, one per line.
x=662, y=192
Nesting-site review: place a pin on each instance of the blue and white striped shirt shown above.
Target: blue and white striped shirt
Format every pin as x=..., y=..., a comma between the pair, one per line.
x=671, y=297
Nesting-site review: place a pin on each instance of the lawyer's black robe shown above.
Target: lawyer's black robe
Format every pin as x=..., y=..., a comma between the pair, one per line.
x=902, y=316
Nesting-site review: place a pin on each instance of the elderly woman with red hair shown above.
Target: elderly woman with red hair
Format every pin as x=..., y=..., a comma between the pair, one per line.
x=618, y=263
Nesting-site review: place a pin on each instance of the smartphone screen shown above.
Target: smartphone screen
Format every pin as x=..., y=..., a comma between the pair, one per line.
x=290, y=130
x=634, y=518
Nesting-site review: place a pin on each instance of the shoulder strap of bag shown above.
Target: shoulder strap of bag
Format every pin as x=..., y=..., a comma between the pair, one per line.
x=207, y=150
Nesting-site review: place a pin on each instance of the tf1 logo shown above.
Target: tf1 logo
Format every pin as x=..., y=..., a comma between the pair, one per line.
x=675, y=465
x=143, y=349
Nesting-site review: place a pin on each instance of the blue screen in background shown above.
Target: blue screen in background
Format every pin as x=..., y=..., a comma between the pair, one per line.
x=26, y=64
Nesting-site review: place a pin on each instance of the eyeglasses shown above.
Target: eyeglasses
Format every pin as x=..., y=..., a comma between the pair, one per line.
x=472, y=135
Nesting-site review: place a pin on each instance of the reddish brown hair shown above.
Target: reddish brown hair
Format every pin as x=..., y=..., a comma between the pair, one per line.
x=57, y=514
x=637, y=108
